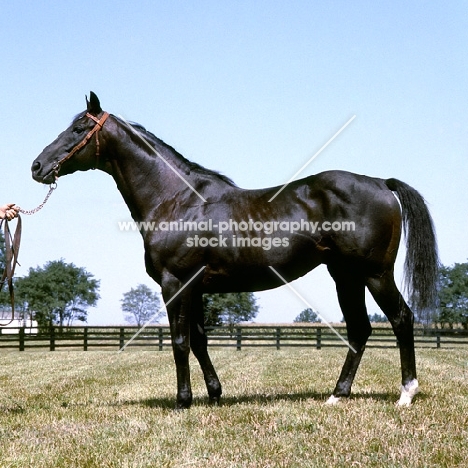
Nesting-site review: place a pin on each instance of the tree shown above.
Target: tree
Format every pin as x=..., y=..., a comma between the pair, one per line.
x=377, y=318
x=453, y=295
x=307, y=315
x=141, y=305
x=229, y=308
x=57, y=293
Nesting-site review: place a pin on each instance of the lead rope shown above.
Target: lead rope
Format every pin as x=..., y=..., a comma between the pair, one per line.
x=12, y=245
x=11, y=259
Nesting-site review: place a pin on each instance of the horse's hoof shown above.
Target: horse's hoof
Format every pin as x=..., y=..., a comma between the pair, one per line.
x=408, y=392
x=179, y=407
x=214, y=401
x=333, y=400
x=183, y=404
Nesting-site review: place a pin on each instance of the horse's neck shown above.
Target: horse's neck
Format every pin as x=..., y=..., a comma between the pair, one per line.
x=145, y=180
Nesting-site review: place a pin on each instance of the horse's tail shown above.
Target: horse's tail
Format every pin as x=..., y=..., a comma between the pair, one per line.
x=422, y=262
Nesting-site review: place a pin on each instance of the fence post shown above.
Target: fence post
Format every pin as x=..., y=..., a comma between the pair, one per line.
x=438, y=339
x=278, y=338
x=52, y=339
x=21, y=339
x=319, y=338
x=238, y=339
x=160, y=336
x=122, y=338
x=85, y=339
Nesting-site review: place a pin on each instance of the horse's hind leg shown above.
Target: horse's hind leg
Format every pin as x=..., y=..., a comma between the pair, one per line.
x=389, y=299
x=199, y=346
x=350, y=288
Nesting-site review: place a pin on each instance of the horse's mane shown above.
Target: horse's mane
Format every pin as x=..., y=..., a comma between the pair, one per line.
x=192, y=166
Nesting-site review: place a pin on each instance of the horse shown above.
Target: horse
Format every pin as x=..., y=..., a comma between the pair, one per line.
x=252, y=240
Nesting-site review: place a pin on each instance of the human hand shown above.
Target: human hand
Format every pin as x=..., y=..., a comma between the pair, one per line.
x=9, y=211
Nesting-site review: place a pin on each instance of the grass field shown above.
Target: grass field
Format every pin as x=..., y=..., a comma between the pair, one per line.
x=104, y=409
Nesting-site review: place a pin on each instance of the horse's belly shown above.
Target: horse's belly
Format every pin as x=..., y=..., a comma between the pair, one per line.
x=257, y=272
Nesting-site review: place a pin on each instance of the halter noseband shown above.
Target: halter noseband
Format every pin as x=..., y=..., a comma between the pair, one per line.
x=93, y=131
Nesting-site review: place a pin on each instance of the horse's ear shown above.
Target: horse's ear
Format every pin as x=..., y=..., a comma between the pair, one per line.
x=93, y=105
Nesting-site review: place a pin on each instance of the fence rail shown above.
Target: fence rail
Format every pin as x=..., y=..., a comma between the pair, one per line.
x=240, y=337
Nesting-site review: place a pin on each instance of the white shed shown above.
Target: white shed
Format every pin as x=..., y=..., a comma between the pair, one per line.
x=14, y=327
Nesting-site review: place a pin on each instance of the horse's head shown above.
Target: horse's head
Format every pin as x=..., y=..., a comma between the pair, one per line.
x=76, y=148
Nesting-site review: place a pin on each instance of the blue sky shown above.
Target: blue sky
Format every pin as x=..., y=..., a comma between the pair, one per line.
x=250, y=88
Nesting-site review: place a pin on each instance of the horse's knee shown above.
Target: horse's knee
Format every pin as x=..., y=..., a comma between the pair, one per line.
x=181, y=349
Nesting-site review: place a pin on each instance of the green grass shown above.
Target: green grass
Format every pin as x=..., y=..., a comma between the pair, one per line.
x=104, y=409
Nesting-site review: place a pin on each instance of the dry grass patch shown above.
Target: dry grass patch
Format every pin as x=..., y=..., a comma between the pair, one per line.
x=103, y=409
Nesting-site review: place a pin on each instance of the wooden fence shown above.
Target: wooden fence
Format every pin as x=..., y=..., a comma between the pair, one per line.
x=240, y=337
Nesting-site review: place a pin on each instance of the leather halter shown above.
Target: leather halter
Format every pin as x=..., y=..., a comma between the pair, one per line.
x=93, y=131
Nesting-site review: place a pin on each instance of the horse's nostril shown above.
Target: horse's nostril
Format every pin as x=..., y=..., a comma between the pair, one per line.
x=36, y=166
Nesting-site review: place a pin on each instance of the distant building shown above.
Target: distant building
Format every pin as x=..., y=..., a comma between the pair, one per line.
x=13, y=328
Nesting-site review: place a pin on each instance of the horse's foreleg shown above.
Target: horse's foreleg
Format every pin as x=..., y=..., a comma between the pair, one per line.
x=350, y=290
x=199, y=345
x=178, y=312
x=391, y=302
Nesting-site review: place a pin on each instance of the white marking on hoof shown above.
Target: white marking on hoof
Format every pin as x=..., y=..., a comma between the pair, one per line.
x=333, y=400
x=408, y=391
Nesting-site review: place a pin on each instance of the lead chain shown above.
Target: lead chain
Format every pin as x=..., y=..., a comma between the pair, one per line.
x=52, y=187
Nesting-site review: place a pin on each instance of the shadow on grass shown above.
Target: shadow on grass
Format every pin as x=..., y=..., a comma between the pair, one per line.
x=11, y=409
x=267, y=399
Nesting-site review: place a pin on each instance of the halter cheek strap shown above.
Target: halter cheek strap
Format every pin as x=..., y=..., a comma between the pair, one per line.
x=93, y=131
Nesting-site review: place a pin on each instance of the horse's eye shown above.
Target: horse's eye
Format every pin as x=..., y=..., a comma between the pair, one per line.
x=78, y=130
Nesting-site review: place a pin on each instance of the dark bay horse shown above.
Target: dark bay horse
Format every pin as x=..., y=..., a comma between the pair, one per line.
x=204, y=234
